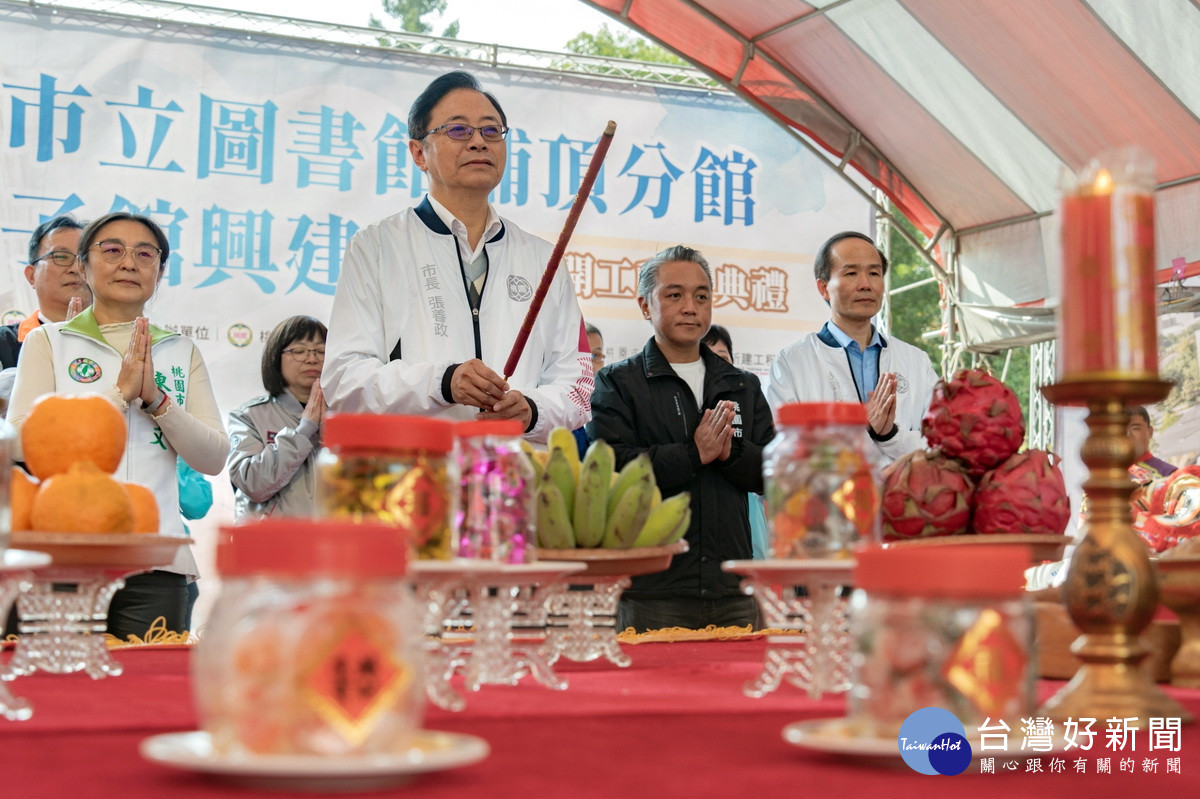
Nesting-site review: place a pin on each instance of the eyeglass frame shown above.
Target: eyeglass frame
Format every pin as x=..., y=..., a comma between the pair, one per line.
x=50, y=256
x=125, y=250
x=503, y=132
x=291, y=353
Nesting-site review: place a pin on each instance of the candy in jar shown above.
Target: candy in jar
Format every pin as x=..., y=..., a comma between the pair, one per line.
x=820, y=482
x=392, y=469
x=941, y=626
x=495, y=507
x=313, y=646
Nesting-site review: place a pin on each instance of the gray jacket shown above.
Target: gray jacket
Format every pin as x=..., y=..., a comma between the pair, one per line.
x=272, y=458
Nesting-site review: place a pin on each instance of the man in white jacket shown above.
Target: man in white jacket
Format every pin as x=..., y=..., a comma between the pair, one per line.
x=431, y=299
x=848, y=360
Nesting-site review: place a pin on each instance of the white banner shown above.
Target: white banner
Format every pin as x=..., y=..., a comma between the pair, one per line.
x=262, y=157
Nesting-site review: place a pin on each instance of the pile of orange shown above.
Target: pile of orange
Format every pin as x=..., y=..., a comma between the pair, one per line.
x=72, y=445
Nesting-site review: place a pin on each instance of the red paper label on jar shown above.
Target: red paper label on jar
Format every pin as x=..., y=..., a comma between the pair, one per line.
x=987, y=664
x=354, y=680
x=420, y=504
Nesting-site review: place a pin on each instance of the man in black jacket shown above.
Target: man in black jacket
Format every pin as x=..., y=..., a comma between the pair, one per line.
x=704, y=423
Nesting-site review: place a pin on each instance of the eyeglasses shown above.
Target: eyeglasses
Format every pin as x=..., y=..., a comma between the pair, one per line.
x=301, y=353
x=113, y=252
x=466, y=132
x=63, y=258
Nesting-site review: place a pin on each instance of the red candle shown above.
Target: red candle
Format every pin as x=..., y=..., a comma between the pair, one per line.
x=1107, y=318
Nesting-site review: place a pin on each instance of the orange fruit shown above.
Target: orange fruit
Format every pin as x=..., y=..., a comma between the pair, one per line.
x=21, y=493
x=61, y=430
x=82, y=500
x=145, y=508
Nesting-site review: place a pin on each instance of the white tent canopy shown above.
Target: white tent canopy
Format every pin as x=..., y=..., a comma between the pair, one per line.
x=966, y=114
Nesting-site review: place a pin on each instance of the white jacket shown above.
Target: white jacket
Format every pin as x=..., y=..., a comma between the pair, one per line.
x=817, y=369
x=401, y=319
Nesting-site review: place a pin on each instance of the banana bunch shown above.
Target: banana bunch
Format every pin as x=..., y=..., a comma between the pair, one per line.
x=589, y=504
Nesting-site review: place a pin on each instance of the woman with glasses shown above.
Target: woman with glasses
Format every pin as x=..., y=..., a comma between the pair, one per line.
x=275, y=437
x=154, y=376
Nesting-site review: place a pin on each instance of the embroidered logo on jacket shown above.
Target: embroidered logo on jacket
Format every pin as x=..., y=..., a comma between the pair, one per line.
x=519, y=289
x=901, y=383
x=84, y=370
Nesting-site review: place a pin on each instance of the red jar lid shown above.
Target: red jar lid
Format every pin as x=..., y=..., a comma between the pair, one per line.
x=489, y=427
x=312, y=548
x=950, y=571
x=815, y=413
x=383, y=432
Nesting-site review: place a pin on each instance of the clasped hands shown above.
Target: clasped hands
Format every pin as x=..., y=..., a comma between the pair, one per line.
x=136, y=377
x=714, y=434
x=881, y=405
x=473, y=383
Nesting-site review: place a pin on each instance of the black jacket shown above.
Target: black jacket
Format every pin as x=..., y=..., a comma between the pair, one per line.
x=10, y=348
x=642, y=405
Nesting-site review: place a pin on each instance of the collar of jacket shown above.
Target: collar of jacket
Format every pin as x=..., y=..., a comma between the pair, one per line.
x=85, y=324
x=426, y=214
x=826, y=337
x=656, y=364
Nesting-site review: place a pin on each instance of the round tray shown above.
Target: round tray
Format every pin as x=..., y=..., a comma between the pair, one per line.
x=624, y=562
x=1043, y=547
x=115, y=550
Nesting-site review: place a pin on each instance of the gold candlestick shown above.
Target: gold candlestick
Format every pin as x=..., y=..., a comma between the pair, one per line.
x=1111, y=591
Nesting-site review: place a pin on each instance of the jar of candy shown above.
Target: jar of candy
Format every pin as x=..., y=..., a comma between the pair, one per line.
x=392, y=469
x=313, y=645
x=941, y=626
x=496, y=485
x=820, y=482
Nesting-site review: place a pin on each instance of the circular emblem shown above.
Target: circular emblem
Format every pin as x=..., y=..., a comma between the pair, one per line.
x=240, y=335
x=10, y=317
x=519, y=289
x=84, y=370
x=901, y=383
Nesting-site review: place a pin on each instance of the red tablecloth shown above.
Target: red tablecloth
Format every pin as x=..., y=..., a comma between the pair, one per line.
x=674, y=724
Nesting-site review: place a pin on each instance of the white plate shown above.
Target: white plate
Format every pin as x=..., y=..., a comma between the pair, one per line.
x=838, y=736
x=430, y=751
x=20, y=559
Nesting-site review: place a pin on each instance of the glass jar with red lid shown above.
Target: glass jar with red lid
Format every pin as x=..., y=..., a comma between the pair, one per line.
x=820, y=481
x=392, y=469
x=941, y=626
x=313, y=645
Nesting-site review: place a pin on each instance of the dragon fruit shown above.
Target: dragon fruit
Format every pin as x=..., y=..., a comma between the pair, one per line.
x=925, y=494
x=976, y=419
x=1024, y=495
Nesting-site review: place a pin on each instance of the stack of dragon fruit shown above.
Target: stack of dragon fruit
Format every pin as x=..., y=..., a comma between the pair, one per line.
x=972, y=479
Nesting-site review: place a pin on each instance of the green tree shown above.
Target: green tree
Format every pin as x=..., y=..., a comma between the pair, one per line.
x=411, y=14
x=607, y=43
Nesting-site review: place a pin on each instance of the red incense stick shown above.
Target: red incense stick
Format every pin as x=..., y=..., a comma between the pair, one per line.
x=585, y=189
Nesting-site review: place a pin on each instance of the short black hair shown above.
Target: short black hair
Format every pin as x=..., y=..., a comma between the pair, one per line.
x=1139, y=410
x=93, y=230
x=286, y=333
x=60, y=222
x=718, y=333
x=824, y=263
x=592, y=330
x=422, y=107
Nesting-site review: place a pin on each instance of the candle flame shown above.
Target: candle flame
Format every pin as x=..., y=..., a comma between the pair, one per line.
x=1103, y=183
